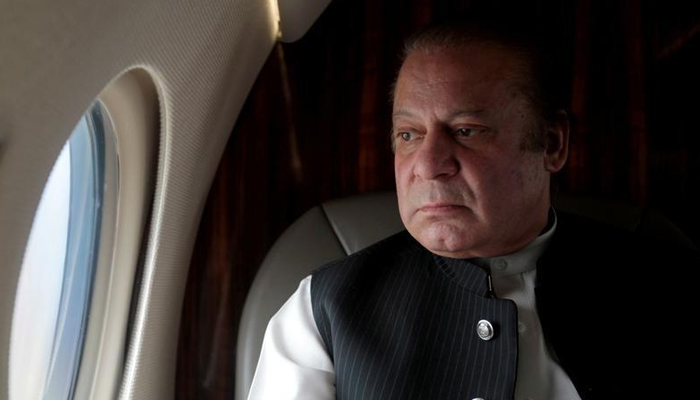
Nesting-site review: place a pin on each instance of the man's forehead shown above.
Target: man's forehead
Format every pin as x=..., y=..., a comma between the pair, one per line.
x=458, y=54
x=470, y=63
x=456, y=82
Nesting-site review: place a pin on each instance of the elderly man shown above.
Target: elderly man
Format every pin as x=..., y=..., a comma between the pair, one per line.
x=489, y=294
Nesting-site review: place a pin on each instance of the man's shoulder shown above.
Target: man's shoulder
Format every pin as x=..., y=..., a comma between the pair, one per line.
x=399, y=256
x=577, y=234
x=384, y=253
x=585, y=249
x=597, y=275
x=574, y=225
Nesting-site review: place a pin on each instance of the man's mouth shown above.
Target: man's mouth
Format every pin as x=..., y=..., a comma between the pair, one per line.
x=440, y=207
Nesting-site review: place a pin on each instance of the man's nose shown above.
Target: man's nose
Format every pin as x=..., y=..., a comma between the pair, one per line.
x=435, y=158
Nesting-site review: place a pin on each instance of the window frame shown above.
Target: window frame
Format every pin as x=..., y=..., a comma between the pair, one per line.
x=132, y=102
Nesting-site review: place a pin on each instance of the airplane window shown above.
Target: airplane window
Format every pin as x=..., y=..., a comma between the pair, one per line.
x=54, y=290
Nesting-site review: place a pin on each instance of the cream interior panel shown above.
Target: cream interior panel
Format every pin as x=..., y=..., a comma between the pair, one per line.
x=56, y=57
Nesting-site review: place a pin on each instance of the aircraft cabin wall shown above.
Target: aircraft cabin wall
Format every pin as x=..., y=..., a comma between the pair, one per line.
x=152, y=90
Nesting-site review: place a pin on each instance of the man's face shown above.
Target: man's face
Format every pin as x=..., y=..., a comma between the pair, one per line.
x=465, y=186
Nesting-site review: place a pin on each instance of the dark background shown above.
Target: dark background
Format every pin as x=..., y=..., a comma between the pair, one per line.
x=316, y=126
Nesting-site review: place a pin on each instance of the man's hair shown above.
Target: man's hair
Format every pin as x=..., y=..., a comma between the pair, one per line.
x=539, y=80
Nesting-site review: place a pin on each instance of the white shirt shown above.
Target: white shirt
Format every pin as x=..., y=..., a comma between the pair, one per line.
x=294, y=363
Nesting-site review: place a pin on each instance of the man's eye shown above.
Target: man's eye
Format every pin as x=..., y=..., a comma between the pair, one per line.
x=467, y=132
x=406, y=136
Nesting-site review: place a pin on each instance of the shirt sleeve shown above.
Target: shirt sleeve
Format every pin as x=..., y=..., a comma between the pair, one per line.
x=294, y=363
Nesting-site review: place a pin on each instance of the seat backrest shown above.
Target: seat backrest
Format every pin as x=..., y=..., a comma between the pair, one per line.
x=341, y=227
x=323, y=234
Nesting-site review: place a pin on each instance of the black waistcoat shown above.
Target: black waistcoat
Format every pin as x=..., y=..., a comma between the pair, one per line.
x=401, y=323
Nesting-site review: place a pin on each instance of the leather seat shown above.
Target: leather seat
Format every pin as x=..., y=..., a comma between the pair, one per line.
x=341, y=227
x=325, y=233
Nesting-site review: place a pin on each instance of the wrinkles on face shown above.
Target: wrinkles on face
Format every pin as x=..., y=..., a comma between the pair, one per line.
x=469, y=195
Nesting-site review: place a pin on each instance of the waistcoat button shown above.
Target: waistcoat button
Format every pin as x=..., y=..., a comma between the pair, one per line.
x=501, y=264
x=484, y=329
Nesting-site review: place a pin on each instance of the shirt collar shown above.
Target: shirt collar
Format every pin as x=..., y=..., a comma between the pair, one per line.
x=522, y=260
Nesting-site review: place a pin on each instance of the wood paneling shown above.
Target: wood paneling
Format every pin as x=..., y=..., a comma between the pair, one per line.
x=316, y=126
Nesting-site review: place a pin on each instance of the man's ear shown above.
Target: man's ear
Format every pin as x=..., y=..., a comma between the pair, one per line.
x=557, y=149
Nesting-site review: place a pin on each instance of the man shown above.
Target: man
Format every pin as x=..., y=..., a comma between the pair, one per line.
x=488, y=294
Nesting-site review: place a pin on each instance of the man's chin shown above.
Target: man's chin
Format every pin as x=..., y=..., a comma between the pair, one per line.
x=445, y=240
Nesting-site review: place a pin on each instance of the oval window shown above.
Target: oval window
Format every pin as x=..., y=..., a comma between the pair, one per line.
x=55, y=284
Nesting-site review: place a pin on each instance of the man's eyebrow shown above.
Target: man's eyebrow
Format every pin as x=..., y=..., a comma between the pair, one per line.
x=458, y=113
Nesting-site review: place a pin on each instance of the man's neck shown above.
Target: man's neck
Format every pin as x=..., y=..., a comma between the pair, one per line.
x=525, y=258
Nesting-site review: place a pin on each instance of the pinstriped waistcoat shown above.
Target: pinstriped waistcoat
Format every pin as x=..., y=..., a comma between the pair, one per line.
x=400, y=323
